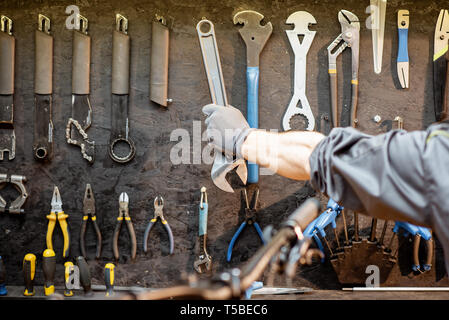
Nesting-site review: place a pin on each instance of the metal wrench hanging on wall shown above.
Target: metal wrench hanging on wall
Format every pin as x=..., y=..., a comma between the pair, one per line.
x=255, y=36
x=43, y=88
x=7, y=50
x=120, y=93
x=81, y=118
x=222, y=165
x=299, y=105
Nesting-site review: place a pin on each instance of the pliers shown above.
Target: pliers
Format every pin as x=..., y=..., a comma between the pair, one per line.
x=58, y=214
x=158, y=213
x=417, y=232
x=349, y=37
x=124, y=214
x=89, y=211
x=250, y=219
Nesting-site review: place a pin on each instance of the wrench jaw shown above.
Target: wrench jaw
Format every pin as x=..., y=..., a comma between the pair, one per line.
x=203, y=264
x=253, y=33
x=222, y=166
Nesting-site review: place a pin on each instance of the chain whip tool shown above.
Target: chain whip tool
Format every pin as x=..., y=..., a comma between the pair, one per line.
x=120, y=92
x=81, y=117
x=222, y=164
x=299, y=105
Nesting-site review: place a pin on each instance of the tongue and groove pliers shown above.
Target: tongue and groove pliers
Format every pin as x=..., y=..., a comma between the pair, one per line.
x=440, y=66
x=250, y=219
x=58, y=214
x=349, y=37
x=89, y=211
x=158, y=213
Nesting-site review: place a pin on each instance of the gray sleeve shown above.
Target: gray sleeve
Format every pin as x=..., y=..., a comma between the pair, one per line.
x=382, y=176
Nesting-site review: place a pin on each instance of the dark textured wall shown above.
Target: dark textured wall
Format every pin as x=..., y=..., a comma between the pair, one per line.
x=151, y=173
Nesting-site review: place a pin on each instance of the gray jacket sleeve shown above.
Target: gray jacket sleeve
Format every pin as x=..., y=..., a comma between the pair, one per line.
x=389, y=176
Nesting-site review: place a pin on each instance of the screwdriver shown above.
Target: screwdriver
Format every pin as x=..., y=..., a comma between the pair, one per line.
x=84, y=275
x=29, y=270
x=49, y=267
x=68, y=270
x=3, y=291
x=109, y=279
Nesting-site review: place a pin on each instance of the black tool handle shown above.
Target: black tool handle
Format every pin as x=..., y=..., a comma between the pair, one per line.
x=132, y=238
x=3, y=290
x=115, y=237
x=334, y=98
x=99, y=239
x=354, y=102
x=29, y=270
x=439, y=84
x=83, y=236
x=49, y=268
x=85, y=278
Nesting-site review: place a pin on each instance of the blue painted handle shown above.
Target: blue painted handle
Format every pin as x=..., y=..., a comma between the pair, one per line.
x=252, y=83
x=403, y=47
x=233, y=240
x=259, y=232
x=203, y=219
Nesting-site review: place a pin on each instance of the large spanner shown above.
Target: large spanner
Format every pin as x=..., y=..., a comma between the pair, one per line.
x=222, y=163
x=7, y=53
x=255, y=36
x=299, y=105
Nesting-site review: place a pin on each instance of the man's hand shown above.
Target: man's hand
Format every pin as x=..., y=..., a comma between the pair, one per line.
x=227, y=129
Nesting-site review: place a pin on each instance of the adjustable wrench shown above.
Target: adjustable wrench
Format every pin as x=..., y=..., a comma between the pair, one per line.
x=222, y=163
x=299, y=105
x=43, y=88
x=255, y=36
x=7, y=50
x=81, y=117
x=120, y=92
x=204, y=261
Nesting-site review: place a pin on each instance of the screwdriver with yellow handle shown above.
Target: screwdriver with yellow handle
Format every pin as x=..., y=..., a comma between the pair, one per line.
x=109, y=279
x=69, y=267
x=49, y=268
x=58, y=214
x=29, y=270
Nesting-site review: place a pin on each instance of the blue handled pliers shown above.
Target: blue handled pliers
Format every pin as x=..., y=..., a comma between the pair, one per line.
x=318, y=225
x=250, y=219
x=417, y=232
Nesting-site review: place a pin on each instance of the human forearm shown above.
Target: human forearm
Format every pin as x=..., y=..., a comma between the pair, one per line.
x=286, y=153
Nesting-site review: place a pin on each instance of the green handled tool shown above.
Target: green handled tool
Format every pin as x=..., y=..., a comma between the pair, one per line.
x=49, y=267
x=29, y=270
x=109, y=279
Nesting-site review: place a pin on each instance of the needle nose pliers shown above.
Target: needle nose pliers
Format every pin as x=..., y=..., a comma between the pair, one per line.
x=58, y=214
x=158, y=213
x=124, y=214
x=89, y=211
x=250, y=219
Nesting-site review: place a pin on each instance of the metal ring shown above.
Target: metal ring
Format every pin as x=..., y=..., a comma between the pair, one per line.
x=128, y=157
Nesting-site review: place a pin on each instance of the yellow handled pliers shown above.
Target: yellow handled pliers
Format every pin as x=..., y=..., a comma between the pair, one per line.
x=58, y=214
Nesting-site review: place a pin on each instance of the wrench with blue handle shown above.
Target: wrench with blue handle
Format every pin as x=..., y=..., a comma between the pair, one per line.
x=255, y=36
x=204, y=261
x=403, y=60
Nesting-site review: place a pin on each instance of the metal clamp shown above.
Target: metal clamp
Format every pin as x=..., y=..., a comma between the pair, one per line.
x=18, y=182
x=44, y=23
